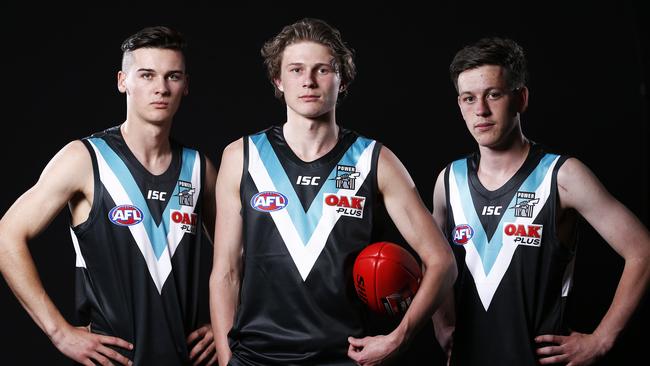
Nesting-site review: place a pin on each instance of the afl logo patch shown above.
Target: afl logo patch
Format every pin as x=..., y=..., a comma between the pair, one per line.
x=125, y=215
x=269, y=201
x=462, y=234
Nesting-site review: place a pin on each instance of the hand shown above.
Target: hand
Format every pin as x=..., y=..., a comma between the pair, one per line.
x=575, y=349
x=86, y=348
x=370, y=351
x=204, y=348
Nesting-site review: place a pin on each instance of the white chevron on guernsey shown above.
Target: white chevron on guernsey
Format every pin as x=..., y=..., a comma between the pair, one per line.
x=487, y=284
x=304, y=255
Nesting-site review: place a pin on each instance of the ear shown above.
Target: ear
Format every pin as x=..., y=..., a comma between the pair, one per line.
x=121, y=81
x=523, y=100
x=342, y=88
x=278, y=84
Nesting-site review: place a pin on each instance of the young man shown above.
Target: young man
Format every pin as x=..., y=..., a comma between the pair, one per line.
x=138, y=201
x=295, y=208
x=510, y=212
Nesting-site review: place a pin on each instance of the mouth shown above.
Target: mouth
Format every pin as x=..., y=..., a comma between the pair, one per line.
x=160, y=105
x=483, y=126
x=309, y=98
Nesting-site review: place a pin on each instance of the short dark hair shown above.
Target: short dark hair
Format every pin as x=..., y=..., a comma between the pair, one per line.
x=154, y=37
x=502, y=52
x=314, y=30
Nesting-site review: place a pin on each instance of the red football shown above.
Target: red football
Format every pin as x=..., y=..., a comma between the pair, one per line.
x=386, y=277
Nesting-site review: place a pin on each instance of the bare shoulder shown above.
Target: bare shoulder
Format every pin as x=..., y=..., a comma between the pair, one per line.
x=237, y=145
x=578, y=186
x=389, y=166
x=70, y=168
x=233, y=153
x=232, y=163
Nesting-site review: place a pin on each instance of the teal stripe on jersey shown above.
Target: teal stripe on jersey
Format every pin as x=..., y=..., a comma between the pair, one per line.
x=157, y=233
x=304, y=222
x=489, y=250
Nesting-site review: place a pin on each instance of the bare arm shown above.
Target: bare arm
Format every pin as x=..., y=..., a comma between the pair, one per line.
x=226, y=269
x=579, y=189
x=67, y=177
x=444, y=319
x=209, y=206
x=417, y=226
x=201, y=340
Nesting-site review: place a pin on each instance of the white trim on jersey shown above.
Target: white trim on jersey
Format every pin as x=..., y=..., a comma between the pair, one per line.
x=79, y=258
x=486, y=285
x=159, y=269
x=304, y=255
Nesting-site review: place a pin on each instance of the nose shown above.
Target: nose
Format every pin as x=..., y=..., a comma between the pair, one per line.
x=482, y=108
x=161, y=87
x=309, y=79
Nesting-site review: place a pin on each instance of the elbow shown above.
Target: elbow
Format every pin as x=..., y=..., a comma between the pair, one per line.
x=451, y=271
x=445, y=265
x=226, y=276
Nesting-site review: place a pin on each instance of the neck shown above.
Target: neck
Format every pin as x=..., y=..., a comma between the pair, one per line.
x=498, y=165
x=310, y=138
x=149, y=143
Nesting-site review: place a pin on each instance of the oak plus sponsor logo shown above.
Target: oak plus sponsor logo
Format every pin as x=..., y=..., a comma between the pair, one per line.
x=351, y=206
x=269, y=201
x=125, y=215
x=462, y=234
x=523, y=234
x=185, y=220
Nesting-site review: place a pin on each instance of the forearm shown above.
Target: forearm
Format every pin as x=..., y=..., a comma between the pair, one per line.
x=224, y=290
x=630, y=291
x=19, y=271
x=437, y=283
x=444, y=322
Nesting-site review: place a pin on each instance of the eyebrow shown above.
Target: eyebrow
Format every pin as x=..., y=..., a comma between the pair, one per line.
x=492, y=88
x=167, y=73
x=302, y=64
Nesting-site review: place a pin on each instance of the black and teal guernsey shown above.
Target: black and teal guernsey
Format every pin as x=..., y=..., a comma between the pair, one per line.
x=514, y=273
x=304, y=224
x=138, y=253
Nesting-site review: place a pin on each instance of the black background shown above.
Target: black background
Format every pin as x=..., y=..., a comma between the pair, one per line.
x=588, y=98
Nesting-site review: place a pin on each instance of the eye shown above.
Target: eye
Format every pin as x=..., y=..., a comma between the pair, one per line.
x=294, y=70
x=174, y=77
x=469, y=99
x=493, y=95
x=146, y=76
x=324, y=70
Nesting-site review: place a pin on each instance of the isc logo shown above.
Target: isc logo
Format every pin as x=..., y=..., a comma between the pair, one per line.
x=269, y=201
x=125, y=215
x=305, y=180
x=462, y=234
x=491, y=210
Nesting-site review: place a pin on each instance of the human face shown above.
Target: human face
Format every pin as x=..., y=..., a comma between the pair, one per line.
x=308, y=79
x=490, y=109
x=154, y=81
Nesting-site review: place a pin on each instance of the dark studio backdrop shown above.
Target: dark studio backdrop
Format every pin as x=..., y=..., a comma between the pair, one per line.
x=588, y=98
